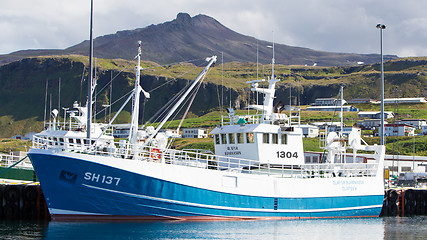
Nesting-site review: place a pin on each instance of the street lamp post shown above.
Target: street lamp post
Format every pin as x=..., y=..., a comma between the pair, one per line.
x=382, y=129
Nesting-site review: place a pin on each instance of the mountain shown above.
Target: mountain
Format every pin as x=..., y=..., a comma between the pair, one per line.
x=188, y=38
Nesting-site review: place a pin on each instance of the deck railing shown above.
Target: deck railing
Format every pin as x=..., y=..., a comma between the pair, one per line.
x=10, y=160
x=212, y=162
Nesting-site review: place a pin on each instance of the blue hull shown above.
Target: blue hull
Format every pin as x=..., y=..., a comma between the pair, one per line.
x=78, y=189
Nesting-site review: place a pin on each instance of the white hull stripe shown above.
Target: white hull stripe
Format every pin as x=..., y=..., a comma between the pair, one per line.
x=232, y=208
x=69, y=212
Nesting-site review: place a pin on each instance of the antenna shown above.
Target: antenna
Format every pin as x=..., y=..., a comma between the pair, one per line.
x=111, y=96
x=50, y=109
x=59, y=95
x=45, y=105
x=222, y=84
x=272, y=61
x=257, y=77
x=290, y=98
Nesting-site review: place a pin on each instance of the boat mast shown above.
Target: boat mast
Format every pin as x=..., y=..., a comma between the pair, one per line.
x=89, y=82
x=136, y=95
x=267, y=107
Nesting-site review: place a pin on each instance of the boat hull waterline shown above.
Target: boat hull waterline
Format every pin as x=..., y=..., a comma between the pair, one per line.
x=78, y=186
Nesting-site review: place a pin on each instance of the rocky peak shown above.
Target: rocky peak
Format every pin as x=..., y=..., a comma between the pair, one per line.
x=183, y=18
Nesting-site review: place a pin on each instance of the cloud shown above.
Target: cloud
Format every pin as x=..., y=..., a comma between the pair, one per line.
x=333, y=25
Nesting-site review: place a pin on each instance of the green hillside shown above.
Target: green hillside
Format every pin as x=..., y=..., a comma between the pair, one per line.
x=22, y=87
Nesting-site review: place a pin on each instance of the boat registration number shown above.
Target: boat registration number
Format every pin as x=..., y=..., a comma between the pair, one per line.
x=283, y=154
x=105, y=179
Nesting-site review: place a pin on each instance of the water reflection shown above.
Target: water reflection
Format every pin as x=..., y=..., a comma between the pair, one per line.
x=371, y=228
x=18, y=230
x=405, y=227
x=362, y=228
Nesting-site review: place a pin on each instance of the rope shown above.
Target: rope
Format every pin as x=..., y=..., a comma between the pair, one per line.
x=13, y=165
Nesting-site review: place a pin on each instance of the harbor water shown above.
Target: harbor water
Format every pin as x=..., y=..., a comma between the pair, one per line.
x=357, y=228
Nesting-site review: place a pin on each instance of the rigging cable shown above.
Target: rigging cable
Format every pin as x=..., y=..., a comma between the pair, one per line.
x=189, y=105
x=115, y=102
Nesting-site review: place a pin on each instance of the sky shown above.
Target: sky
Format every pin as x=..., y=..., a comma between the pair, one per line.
x=326, y=25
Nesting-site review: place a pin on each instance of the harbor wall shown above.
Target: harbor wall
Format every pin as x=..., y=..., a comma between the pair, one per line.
x=22, y=202
x=404, y=202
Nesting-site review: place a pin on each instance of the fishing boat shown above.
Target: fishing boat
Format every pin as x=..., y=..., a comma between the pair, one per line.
x=258, y=171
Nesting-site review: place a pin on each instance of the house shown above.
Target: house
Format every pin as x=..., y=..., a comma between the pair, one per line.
x=370, y=123
x=19, y=136
x=194, y=133
x=27, y=136
x=375, y=115
x=417, y=123
x=399, y=130
x=309, y=130
x=327, y=102
x=332, y=108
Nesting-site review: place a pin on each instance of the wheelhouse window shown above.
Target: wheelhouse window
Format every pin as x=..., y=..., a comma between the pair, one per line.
x=239, y=137
x=71, y=140
x=275, y=138
x=284, y=139
x=223, y=138
x=266, y=138
x=231, y=138
x=249, y=138
x=217, y=139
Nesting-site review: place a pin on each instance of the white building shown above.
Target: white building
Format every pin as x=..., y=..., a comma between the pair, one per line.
x=370, y=123
x=172, y=133
x=332, y=108
x=375, y=115
x=362, y=100
x=424, y=129
x=328, y=102
x=414, y=122
x=399, y=130
x=403, y=164
x=345, y=130
x=405, y=100
x=322, y=125
x=194, y=133
x=309, y=130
